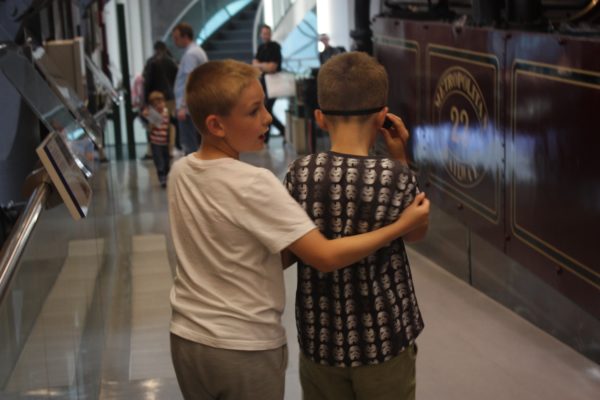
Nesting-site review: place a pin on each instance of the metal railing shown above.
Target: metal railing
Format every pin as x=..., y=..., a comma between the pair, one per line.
x=15, y=245
x=103, y=82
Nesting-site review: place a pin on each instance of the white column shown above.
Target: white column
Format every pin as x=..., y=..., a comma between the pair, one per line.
x=333, y=18
x=268, y=12
x=112, y=38
x=135, y=37
x=147, y=29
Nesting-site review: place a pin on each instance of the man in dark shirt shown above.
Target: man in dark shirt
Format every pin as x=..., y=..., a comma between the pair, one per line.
x=268, y=60
x=328, y=51
x=159, y=76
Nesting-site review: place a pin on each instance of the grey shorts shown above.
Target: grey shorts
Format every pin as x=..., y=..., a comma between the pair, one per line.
x=205, y=372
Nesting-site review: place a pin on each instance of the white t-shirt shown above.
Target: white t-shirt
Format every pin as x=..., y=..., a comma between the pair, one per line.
x=229, y=221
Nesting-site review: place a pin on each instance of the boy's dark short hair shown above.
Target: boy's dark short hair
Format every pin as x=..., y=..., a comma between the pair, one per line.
x=185, y=29
x=265, y=26
x=214, y=88
x=352, y=81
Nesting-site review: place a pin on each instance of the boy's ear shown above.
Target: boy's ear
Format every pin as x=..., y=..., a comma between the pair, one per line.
x=380, y=118
x=320, y=119
x=214, y=126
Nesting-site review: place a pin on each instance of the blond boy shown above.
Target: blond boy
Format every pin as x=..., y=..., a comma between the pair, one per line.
x=159, y=127
x=229, y=222
x=357, y=325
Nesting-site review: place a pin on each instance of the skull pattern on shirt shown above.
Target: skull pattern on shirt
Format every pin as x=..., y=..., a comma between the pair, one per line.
x=365, y=313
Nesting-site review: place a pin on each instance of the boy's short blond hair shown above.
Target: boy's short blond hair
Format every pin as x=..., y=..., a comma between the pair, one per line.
x=352, y=81
x=214, y=88
x=155, y=96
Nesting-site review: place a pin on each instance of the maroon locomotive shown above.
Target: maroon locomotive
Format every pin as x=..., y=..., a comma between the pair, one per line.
x=502, y=101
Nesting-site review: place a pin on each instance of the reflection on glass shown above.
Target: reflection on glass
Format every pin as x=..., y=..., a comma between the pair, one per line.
x=102, y=81
x=53, y=113
x=68, y=96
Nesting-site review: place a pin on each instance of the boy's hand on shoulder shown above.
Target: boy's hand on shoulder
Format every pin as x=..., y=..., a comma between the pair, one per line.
x=417, y=214
x=396, y=138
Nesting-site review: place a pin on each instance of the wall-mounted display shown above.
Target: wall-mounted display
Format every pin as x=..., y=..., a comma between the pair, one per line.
x=66, y=177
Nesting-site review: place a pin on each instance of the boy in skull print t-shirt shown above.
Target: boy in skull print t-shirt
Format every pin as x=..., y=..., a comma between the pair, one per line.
x=365, y=315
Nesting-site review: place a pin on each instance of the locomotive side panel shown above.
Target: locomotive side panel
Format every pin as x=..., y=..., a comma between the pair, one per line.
x=502, y=128
x=553, y=180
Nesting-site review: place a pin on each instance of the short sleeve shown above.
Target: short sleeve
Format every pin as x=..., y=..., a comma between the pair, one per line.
x=288, y=180
x=407, y=184
x=271, y=214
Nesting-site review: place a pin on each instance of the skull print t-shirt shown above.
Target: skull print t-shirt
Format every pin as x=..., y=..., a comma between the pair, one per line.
x=365, y=313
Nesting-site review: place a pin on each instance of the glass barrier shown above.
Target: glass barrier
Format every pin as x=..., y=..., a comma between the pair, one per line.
x=102, y=81
x=52, y=111
x=67, y=96
x=53, y=318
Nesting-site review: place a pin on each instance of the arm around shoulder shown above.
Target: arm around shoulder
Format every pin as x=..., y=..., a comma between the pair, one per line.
x=328, y=255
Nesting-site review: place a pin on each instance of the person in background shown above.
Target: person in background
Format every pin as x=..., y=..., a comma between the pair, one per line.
x=183, y=37
x=268, y=61
x=357, y=326
x=328, y=51
x=138, y=104
x=159, y=76
x=230, y=221
x=159, y=127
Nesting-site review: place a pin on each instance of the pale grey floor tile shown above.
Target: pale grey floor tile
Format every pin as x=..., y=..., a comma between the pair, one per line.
x=146, y=389
x=473, y=347
x=151, y=312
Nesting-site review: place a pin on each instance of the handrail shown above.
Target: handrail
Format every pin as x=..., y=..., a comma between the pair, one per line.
x=591, y=5
x=257, y=18
x=103, y=81
x=105, y=110
x=15, y=245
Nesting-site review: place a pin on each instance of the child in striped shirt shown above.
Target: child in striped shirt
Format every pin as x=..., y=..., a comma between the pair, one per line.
x=159, y=127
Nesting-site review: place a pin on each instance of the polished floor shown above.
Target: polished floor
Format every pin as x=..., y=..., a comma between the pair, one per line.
x=102, y=331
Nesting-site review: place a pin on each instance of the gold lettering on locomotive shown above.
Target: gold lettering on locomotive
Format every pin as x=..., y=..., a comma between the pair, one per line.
x=460, y=113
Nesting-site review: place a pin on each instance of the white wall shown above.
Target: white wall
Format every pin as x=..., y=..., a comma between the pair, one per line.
x=291, y=19
x=139, y=37
x=112, y=39
x=334, y=17
x=147, y=31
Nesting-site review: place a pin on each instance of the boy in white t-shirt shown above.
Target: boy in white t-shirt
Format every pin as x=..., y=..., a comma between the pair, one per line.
x=230, y=221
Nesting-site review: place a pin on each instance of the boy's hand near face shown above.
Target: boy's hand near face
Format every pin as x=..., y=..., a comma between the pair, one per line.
x=396, y=138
